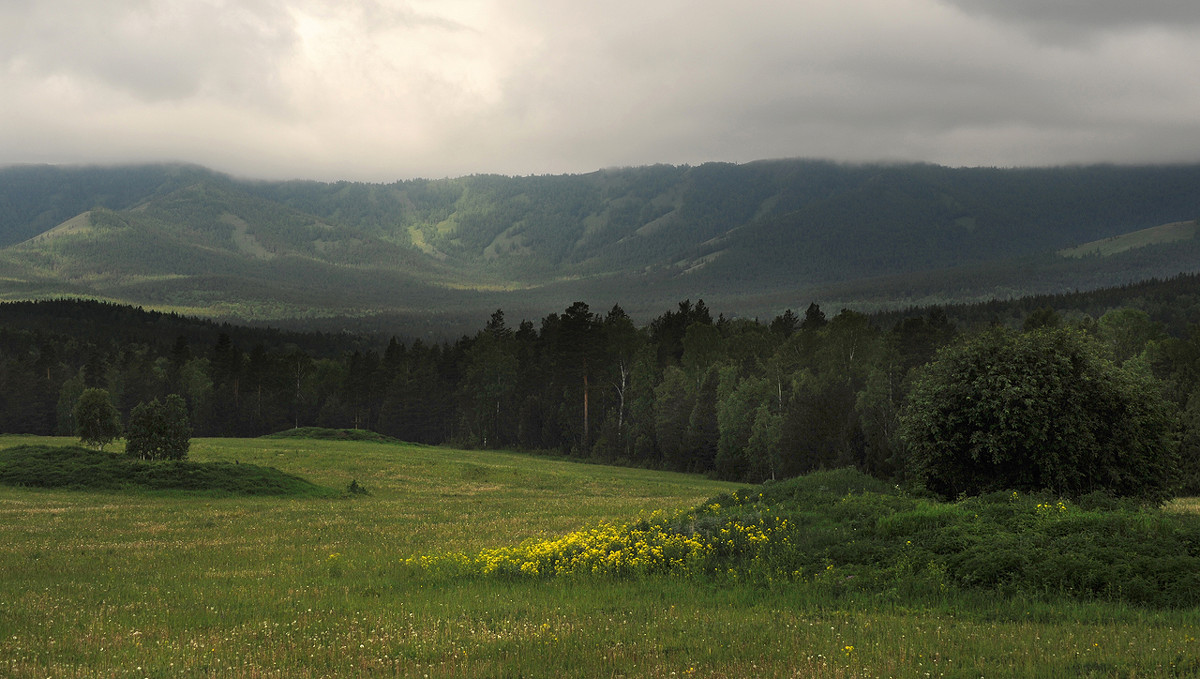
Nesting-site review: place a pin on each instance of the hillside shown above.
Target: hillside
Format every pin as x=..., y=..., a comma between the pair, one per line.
x=1155, y=235
x=757, y=237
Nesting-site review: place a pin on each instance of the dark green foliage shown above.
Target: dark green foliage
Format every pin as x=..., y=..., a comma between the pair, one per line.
x=814, y=318
x=730, y=397
x=1189, y=450
x=852, y=531
x=159, y=431
x=97, y=422
x=1041, y=410
x=39, y=197
x=82, y=469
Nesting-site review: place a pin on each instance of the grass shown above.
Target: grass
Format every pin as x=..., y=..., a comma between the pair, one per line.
x=166, y=585
x=325, y=434
x=843, y=533
x=1155, y=235
x=1185, y=505
x=76, y=468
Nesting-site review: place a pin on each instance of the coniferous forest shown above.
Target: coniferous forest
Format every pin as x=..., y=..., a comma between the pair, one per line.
x=693, y=390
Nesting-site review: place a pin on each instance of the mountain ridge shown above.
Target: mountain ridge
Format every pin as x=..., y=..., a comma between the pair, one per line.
x=756, y=237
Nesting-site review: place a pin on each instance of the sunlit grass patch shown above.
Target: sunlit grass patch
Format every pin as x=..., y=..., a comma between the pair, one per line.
x=1184, y=504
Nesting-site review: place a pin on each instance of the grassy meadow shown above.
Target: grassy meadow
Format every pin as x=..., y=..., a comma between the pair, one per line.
x=176, y=584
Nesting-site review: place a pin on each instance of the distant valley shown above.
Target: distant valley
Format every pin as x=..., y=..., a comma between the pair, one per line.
x=750, y=239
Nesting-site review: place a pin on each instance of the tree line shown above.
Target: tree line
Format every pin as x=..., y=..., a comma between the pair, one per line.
x=737, y=398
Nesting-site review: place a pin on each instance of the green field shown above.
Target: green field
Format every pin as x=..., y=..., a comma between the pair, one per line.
x=166, y=584
x=1155, y=235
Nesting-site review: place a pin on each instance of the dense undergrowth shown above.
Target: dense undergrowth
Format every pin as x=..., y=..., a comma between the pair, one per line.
x=846, y=532
x=77, y=468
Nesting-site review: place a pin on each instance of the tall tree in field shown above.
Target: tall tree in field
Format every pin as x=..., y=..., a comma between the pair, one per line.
x=97, y=421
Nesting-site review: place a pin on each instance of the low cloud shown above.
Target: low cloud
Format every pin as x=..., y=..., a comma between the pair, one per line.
x=1078, y=15
x=388, y=89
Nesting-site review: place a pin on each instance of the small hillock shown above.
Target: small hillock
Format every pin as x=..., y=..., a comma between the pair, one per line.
x=77, y=468
x=848, y=534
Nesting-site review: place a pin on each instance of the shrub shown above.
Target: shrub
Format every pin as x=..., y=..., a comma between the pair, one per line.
x=836, y=532
x=1042, y=410
x=159, y=431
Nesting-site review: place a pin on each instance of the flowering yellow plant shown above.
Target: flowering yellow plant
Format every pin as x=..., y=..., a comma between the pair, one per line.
x=657, y=543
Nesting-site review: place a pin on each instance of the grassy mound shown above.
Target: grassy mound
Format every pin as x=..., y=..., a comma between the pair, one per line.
x=81, y=469
x=847, y=532
x=324, y=434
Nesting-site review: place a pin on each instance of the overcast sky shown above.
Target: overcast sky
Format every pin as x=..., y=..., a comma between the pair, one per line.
x=390, y=90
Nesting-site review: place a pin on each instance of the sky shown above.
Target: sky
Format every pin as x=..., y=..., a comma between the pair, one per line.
x=383, y=90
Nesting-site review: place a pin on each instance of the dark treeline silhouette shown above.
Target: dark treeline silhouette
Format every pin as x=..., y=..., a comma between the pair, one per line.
x=738, y=398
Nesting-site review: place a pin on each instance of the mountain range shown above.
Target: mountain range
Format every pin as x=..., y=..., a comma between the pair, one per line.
x=750, y=239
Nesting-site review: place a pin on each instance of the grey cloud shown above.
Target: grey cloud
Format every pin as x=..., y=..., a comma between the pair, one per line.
x=816, y=79
x=385, y=89
x=152, y=51
x=1070, y=17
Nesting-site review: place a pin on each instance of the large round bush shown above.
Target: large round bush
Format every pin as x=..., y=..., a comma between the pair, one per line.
x=1041, y=410
x=159, y=431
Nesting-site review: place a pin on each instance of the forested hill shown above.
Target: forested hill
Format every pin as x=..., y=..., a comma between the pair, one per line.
x=778, y=221
x=754, y=238
x=92, y=323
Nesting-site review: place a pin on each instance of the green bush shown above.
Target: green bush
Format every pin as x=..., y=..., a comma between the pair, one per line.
x=1042, y=410
x=159, y=431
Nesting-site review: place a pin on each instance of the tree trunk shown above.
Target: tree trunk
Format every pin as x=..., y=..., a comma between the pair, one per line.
x=585, y=406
